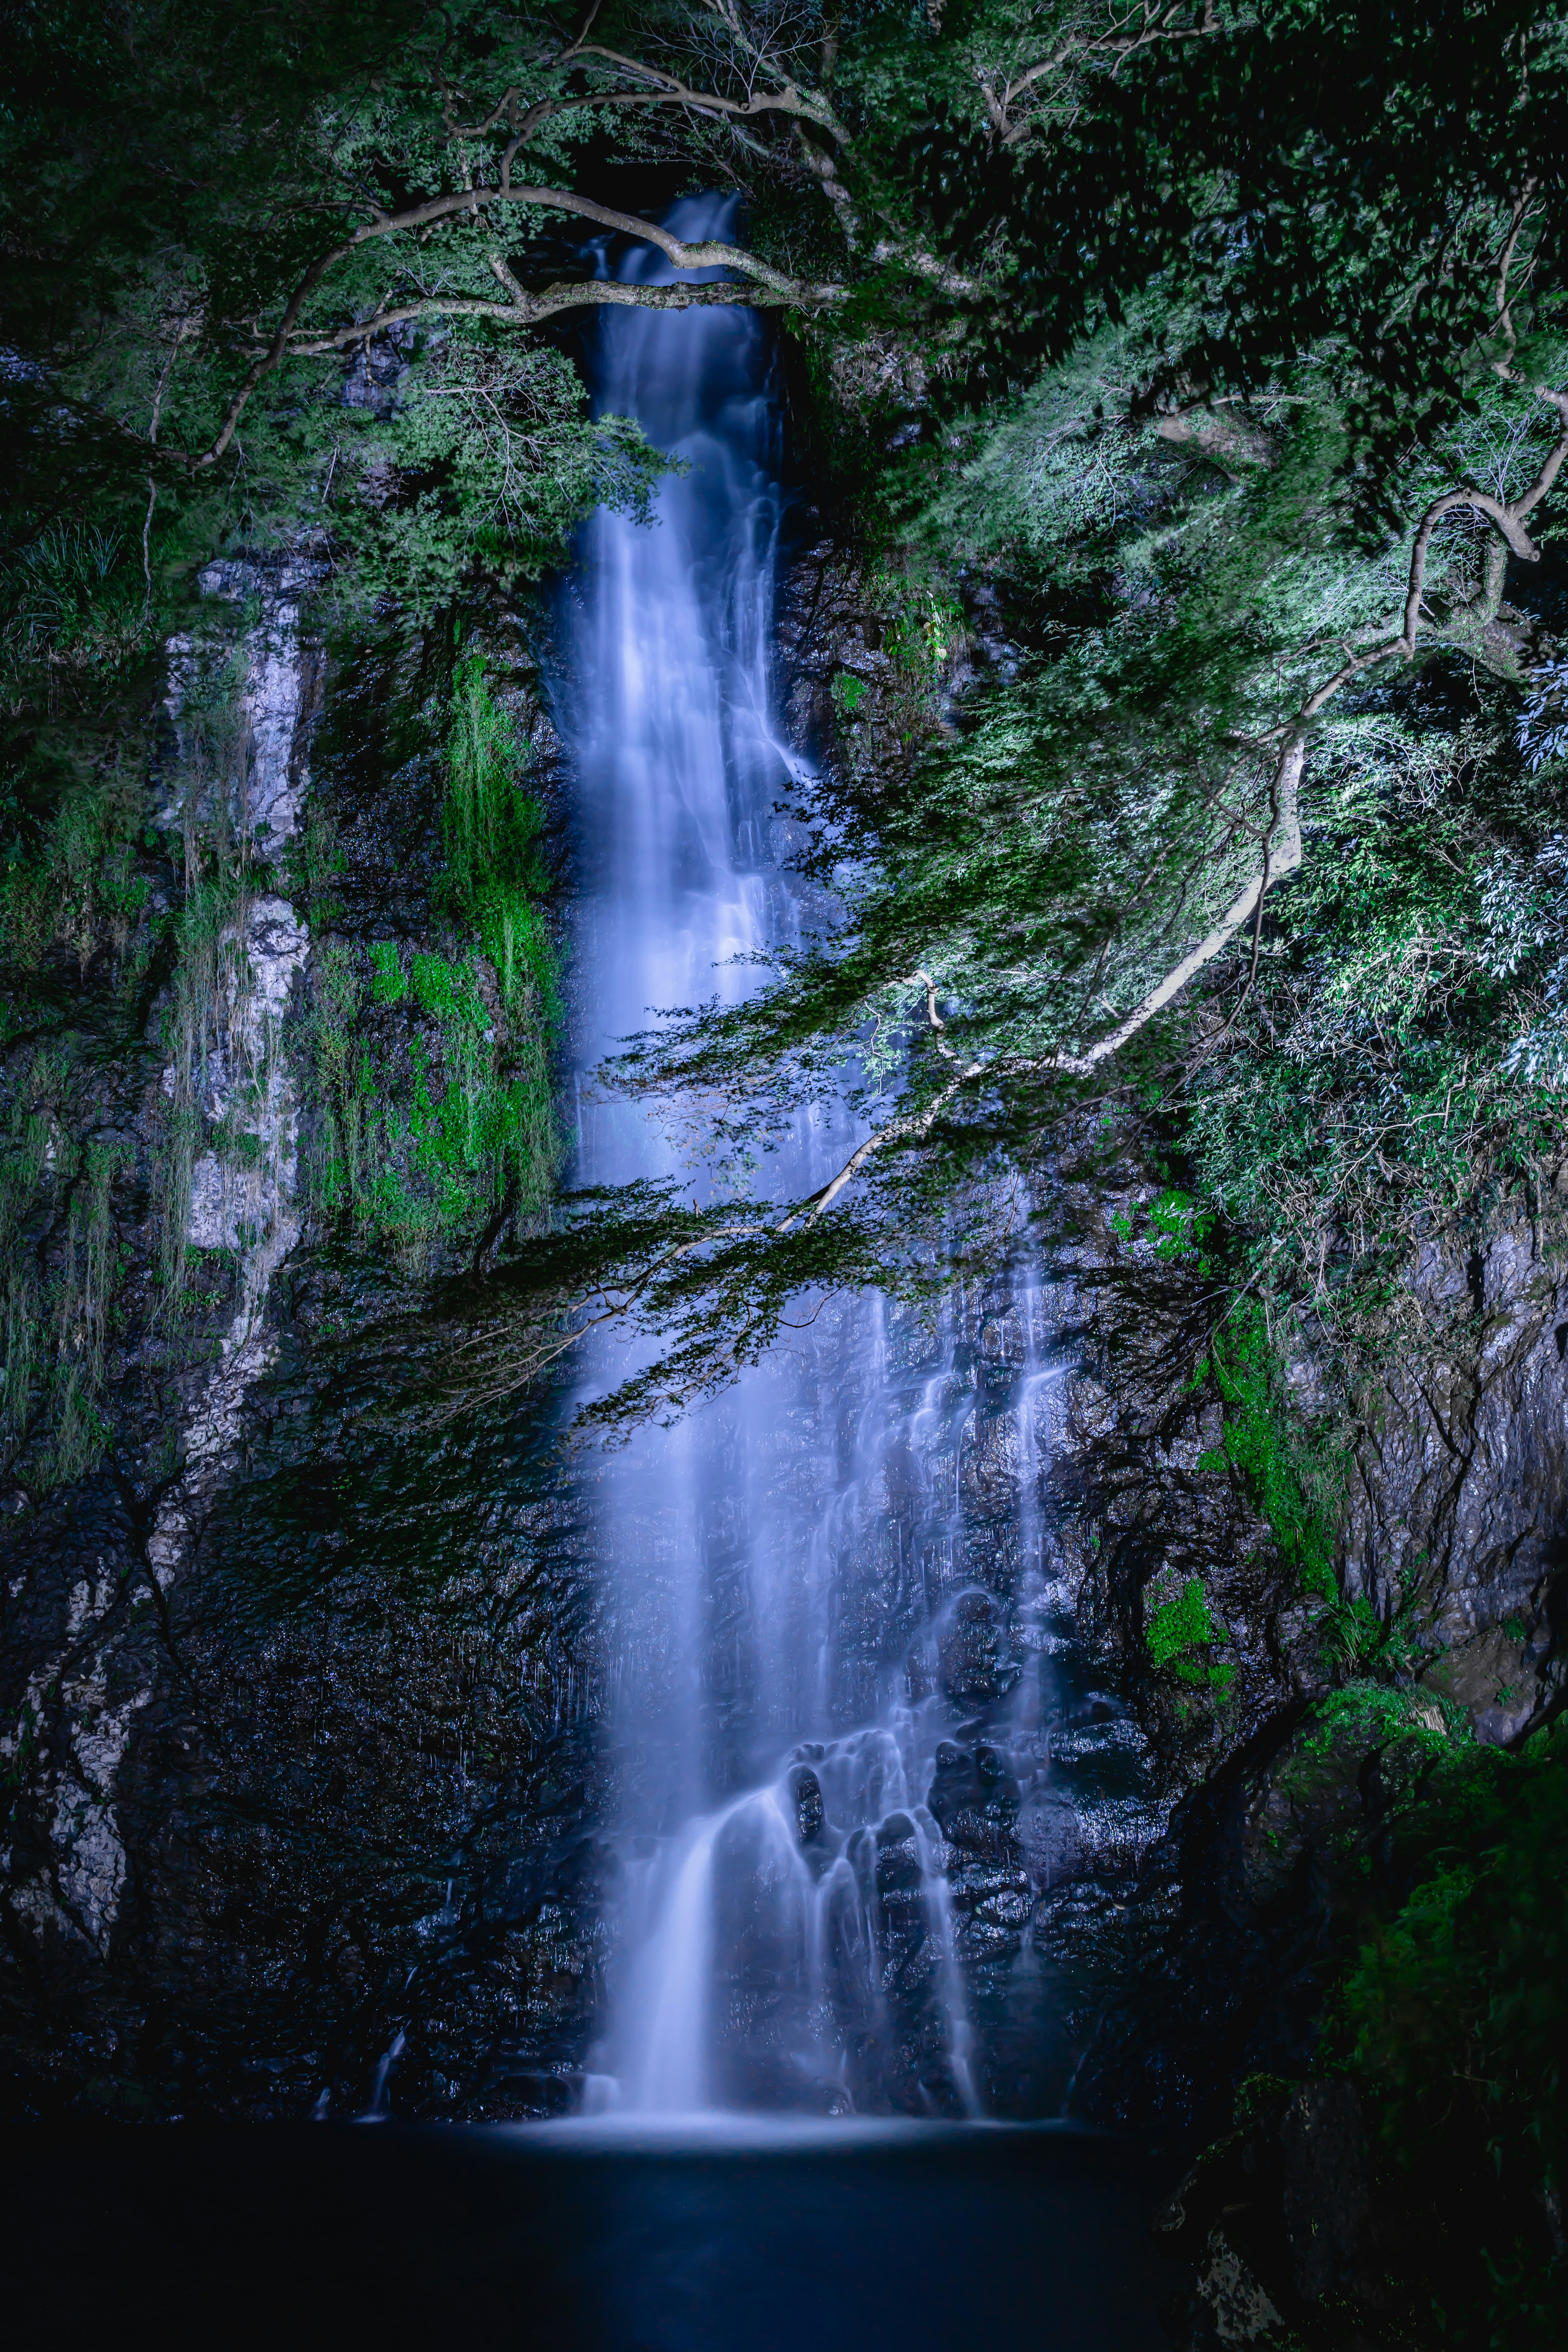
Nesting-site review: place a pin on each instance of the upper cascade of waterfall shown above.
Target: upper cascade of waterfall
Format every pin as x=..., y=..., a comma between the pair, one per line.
x=677, y=755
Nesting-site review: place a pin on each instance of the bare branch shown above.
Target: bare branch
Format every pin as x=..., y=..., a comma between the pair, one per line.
x=1505, y=264
x=766, y=283
x=912, y=1125
x=589, y=21
x=505, y=107
x=786, y=100
x=572, y=294
x=1554, y=465
x=1508, y=523
x=1141, y=25
x=933, y=1015
x=1281, y=856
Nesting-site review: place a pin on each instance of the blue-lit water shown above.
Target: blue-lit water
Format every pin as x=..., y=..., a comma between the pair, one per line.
x=903, y=2238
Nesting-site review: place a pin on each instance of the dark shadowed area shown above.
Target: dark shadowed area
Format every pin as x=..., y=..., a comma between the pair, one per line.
x=919, y=2236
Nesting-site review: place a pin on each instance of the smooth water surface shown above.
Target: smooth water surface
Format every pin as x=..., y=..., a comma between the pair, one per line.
x=912, y=2239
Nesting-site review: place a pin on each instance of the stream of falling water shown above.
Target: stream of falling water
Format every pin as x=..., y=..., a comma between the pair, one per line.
x=829, y=1600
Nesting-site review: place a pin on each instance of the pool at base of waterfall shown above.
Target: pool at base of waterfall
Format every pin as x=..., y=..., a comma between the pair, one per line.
x=733, y=2235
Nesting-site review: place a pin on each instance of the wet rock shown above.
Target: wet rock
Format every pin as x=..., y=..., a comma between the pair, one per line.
x=970, y=1649
x=1241, y=2310
x=809, y=1812
x=1181, y=2226
x=1328, y=2192
x=1049, y=1837
x=1007, y=1904
x=957, y=1793
x=1095, y=1708
x=1458, y=1520
x=899, y=1871
x=1224, y=2218
x=993, y=1904
x=996, y=1775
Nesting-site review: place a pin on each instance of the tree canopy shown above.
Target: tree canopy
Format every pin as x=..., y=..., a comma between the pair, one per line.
x=1229, y=343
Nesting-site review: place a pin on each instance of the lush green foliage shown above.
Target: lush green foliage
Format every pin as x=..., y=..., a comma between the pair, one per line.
x=432, y=1069
x=1457, y=2014
x=1402, y=1044
x=169, y=171
x=1264, y=1441
x=1178, y=1629
x=1173, y=329
x=167, y=174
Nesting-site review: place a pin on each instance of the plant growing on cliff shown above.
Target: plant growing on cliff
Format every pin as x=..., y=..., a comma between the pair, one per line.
x=434, y=1083
x=1179, y=1627
x=1299, y=1494
x=60, y=1271
x=1456, y=2015
x=1246, y=453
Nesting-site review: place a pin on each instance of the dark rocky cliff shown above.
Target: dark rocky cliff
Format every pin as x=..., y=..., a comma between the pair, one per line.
x=1311, y=1732
x=297, y=1724
x=301, y=1749
x=1312, y=2218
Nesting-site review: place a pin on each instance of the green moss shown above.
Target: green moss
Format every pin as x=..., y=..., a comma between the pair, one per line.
x=56, y=1206
x=1181, y=1626
x=433, y=1082
x=1179, y=1226
x=388, y=983
x=1455, y=2014
x=1298, y=1492
x=493, y=827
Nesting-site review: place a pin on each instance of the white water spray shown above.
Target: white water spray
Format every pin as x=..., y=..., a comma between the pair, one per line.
x=800, y=1690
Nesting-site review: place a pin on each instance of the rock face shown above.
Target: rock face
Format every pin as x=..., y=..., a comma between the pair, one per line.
x=1459, y=1508
x=1298, y=2230
x=296, y=1713
x=84, y=1605
x=1454, y=1538
x=1301, y=2227
x=303, y=1722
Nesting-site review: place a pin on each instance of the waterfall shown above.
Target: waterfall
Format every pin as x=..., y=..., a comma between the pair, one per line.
x=821, y=1737
x=675, y=756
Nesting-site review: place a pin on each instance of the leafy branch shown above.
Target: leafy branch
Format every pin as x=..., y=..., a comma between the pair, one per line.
x=1280, y=842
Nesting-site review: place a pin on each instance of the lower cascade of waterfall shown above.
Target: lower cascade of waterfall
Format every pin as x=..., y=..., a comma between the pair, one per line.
x=821, y=1897
x=849, y=1758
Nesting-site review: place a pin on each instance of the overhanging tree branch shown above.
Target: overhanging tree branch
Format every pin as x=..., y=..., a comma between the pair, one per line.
x=514, y=1359
x=1125, y=34
x=763, y=283
x=574, y=295
x=1280, y=847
